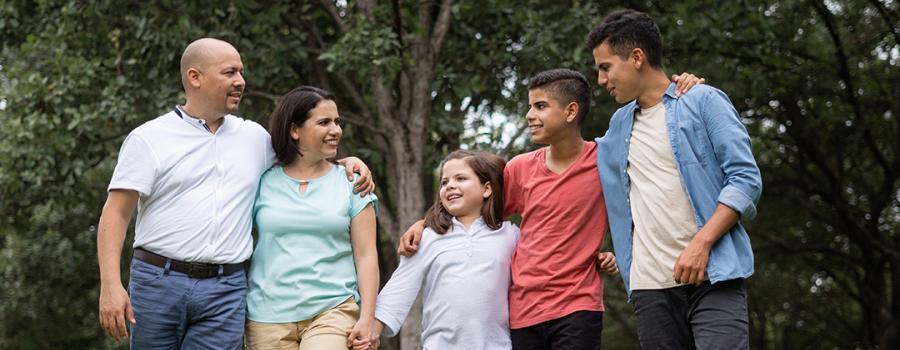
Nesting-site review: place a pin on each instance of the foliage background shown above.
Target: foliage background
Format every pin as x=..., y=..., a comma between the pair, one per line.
x=814, y=80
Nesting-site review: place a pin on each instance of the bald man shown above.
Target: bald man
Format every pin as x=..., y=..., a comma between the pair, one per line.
x=192, y=175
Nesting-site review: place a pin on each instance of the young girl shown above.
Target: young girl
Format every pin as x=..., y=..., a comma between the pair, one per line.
x=463, y=262
x=314, y=273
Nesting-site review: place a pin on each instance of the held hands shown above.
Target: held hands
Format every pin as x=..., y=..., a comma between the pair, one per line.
x=409, y=242
x=115, y=307
x=365, y=184
x=685, y=82
x=606, y=262
x=690, y=267
x=365, y=334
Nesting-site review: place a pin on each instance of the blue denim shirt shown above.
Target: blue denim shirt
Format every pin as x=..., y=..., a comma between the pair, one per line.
x=713, y=155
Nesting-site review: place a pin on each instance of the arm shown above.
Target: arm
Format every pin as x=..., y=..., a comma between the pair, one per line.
x=365, y=255
x=399, y=294
x=737, y=199
x=115, y=306
x=512, y=192
x=731, y=145
x=691, y=264
x=365, y=184
x=409, y=242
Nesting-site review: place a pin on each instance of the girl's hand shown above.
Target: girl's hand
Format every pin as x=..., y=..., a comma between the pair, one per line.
x=363, y=336
x=363, y=345
x=606, y=261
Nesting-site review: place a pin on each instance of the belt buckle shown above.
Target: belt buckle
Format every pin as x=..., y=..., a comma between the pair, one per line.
x=198, y=270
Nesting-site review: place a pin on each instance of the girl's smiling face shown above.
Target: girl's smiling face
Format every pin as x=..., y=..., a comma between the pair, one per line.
x=462, y=193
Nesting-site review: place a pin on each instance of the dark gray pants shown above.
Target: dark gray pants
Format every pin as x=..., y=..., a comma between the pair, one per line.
x=693, y=317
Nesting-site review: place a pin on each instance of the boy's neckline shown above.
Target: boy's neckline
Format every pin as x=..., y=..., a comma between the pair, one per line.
x=548, y=155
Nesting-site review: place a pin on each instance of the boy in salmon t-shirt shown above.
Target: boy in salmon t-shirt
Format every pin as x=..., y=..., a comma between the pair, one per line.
x=556, y=295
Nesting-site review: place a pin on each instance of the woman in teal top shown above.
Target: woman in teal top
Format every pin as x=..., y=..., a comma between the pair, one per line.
x=314, y=274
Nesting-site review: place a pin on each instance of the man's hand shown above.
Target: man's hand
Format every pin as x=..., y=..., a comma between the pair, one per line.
x=606, y=262
x=690, y=267
x=409, y=242
x=685, y=82
x=115, y=308
x=365, y=184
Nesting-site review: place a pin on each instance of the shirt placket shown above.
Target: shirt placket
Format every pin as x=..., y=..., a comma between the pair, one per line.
x=469, y=251
x=217, y=199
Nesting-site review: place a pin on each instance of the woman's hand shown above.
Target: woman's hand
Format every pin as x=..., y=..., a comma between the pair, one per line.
x=364, y=335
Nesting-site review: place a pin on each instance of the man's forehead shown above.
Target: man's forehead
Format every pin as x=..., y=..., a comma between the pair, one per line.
x=228, y=62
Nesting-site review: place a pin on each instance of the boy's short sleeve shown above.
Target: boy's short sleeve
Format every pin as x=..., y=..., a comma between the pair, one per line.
x=512, y=191
x=136, y=167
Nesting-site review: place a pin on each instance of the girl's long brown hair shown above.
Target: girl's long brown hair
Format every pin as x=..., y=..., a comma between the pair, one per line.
x=488, y=167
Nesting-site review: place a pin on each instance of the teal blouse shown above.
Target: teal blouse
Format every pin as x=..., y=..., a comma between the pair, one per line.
x=303, y=261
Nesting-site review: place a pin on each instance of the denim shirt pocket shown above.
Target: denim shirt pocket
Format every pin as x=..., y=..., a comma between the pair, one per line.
x=692, y=149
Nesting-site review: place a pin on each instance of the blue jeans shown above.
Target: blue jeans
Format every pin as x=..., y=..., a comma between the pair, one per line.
x=174, y=311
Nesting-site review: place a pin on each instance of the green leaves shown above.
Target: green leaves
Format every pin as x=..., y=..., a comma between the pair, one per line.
x=76, y=77
x=368, y=48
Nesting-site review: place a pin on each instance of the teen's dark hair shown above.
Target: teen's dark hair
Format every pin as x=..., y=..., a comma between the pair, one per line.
x=566, y=86
x=488, y=167
x=293, y=109
x=625, y=30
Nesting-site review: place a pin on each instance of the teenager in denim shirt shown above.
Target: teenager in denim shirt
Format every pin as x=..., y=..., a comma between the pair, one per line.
x=678, y=174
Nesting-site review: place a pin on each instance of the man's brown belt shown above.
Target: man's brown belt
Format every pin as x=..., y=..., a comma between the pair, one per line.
x=192, y=269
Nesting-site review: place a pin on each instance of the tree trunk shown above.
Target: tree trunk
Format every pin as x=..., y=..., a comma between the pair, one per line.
x=406, y=190
x=402, y=109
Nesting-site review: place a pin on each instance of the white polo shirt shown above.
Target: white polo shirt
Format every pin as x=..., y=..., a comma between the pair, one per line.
x=196, y=188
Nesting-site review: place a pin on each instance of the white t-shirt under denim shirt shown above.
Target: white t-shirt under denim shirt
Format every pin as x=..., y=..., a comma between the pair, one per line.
x=663, y=217
x=465, y=276
x=196, y=188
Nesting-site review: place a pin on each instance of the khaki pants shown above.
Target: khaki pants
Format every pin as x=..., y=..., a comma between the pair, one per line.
x=326, y=331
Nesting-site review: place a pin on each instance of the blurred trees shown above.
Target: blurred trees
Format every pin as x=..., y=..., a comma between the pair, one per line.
x=415, y=79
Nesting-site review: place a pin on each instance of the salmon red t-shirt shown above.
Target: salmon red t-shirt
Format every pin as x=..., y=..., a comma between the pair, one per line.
x=554, y=267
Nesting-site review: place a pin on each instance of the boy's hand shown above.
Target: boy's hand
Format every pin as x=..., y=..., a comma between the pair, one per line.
x=409, y=242
x=685, y=82
x=606, y=261
x=365, y=184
